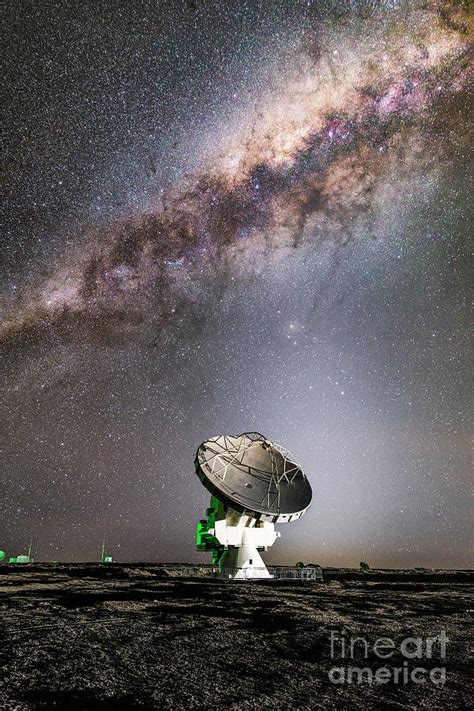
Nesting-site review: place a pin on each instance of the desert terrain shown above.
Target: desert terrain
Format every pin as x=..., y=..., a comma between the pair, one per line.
x=168, y=637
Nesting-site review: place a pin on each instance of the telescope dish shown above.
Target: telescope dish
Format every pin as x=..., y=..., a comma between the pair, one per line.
x=254, y=476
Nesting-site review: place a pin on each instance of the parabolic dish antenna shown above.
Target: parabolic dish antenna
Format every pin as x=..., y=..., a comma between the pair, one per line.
x=254, y=476
x=254, y=484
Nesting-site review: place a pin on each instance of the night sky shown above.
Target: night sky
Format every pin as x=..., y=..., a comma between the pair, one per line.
x=231, y=216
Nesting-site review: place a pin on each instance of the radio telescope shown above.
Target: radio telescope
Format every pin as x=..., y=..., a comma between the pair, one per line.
x=254, y=483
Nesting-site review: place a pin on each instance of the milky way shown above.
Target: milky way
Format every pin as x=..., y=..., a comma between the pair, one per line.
x=289, y=242
x=307, y=169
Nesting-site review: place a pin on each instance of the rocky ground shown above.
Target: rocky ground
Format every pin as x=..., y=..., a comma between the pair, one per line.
x=150, y=637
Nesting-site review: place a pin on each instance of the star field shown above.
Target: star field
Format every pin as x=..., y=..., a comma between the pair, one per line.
x=230, y=217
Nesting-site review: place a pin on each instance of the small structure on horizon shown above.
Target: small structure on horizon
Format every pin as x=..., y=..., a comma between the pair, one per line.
x=22, y=559
x=104, y=558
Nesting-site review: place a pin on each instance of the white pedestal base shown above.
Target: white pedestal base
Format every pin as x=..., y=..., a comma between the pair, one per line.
x=243, y=563
x=242, y=536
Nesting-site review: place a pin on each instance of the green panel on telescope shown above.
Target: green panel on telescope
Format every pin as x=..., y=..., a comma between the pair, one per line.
x=205, y=540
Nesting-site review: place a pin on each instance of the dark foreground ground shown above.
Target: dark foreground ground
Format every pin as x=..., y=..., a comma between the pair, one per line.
x=142, y=637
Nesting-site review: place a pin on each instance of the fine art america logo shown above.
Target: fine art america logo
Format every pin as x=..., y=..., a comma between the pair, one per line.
x=415, y=657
